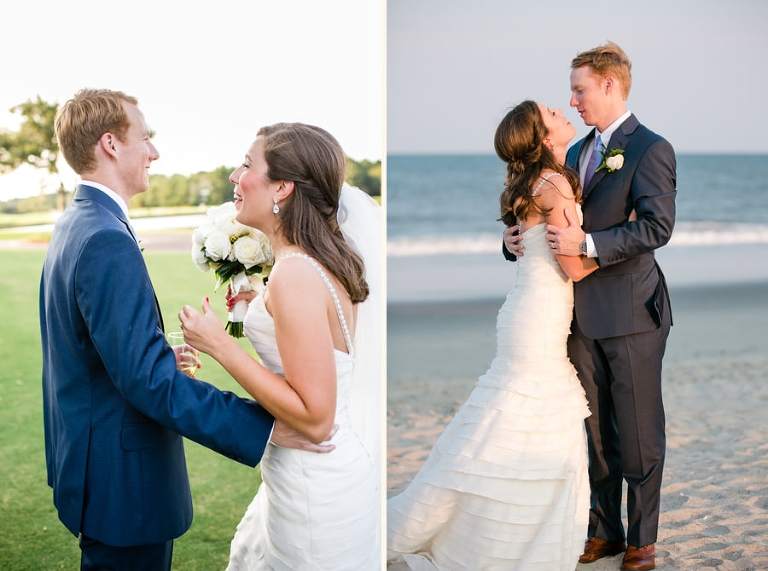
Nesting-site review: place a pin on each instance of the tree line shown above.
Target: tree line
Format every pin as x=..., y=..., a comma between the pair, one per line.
x=34, y=143
x=214, y=187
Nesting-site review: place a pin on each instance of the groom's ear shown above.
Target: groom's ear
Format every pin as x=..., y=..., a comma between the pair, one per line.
x=107, y=144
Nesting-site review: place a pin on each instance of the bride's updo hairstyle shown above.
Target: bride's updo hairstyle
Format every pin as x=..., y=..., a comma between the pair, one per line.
x=519, y=142
x=313, y=159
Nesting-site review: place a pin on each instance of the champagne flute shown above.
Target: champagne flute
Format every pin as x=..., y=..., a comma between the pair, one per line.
x=189, y=357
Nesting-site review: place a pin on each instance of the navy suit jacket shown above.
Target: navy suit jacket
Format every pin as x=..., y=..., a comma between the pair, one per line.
x=628, y=294
x=115, y=407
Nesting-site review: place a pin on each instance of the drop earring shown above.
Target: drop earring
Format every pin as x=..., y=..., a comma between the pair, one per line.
x=275, y=208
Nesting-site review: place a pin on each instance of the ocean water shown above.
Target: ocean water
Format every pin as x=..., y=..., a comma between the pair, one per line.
x=449, y=204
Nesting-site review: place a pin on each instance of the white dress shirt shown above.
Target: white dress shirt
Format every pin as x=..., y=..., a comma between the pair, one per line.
x=605, y=138
x=110, y=193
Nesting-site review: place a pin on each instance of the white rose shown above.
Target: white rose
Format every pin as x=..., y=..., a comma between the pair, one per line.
x=199, y=258
x=226, y=213
x=231, y=257
x=224, y=218
x=225, y=210
x=226, y=226
x=266, y=246
x=242, y=229
x=615, y=162
x=217, y=245
x=218, y=218
x=200, y=234
x=249, y=252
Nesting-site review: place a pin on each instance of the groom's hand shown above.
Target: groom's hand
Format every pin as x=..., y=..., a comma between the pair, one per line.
x=513, y=241
x=187, y=358
x=566, y=241
x=285, y=436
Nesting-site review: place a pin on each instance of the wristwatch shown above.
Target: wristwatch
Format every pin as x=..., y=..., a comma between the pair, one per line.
x=583, y=248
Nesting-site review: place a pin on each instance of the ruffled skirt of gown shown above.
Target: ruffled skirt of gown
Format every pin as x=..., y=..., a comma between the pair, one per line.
x=506, y=485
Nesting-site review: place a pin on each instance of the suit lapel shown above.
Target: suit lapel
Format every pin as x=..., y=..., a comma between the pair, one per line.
x=619, y=140
x=574, y=154
x=85, y=192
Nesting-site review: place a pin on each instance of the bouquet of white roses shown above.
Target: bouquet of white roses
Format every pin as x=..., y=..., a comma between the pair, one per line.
x=236, y=253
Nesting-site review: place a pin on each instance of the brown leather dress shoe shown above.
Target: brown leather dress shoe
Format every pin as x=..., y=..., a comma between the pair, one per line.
x=639, y=558
x=596, y=548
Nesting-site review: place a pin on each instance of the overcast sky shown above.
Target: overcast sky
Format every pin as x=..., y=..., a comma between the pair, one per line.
x=455, y=67
x=206, y=78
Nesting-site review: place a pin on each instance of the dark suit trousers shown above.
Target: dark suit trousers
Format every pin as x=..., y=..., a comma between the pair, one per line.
x=96, y=556
x=622, y=380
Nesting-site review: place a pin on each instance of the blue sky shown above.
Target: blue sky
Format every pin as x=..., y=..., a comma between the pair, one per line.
x=454, y=68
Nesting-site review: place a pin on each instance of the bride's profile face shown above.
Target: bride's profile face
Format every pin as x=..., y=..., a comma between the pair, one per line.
x=559, y=129
x=254, y=191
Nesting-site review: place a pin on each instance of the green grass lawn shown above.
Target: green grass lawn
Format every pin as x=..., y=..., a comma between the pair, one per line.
x=31, y=536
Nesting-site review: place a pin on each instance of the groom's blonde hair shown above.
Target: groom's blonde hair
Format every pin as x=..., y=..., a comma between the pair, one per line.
x=607, y=59
x=82, y=120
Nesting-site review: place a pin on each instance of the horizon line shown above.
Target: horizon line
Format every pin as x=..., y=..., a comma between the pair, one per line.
x=492, y=153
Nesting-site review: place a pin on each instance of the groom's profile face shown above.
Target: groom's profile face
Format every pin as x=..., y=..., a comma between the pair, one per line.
x=588, y=95
x=136, y=151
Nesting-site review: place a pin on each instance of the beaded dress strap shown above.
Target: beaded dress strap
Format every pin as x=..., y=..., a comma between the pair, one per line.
x=331, y=289
x=542, y=180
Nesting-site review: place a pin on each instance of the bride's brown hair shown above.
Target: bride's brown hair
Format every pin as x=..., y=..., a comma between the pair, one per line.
x=519, y=142
x=313, y=160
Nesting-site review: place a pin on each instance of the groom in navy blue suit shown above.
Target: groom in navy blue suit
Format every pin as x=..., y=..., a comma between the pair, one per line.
x=115, y=405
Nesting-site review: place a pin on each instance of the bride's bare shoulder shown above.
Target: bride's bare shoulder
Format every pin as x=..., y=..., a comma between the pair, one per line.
x=552, y=186
x=294, y=278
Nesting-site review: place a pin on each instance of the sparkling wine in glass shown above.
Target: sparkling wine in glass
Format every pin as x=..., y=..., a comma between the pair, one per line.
x=189, y=355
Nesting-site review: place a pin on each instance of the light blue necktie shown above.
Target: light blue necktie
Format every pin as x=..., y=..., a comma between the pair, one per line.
x=594, y=160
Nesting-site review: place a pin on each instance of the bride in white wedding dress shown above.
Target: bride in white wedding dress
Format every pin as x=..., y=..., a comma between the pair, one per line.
x=506, y=486
x=314, y=328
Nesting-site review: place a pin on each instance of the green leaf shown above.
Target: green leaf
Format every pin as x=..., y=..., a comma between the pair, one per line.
x=235, y=329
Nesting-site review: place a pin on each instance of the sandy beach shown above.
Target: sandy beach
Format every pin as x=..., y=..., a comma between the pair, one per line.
x=714, y=511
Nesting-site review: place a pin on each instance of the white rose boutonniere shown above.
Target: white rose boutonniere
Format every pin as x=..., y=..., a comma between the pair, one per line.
x=613, y=160
x=615, y=163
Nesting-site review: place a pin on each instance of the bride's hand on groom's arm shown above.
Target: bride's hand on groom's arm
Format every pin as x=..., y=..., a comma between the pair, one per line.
x=203, y=330
x=566, y=240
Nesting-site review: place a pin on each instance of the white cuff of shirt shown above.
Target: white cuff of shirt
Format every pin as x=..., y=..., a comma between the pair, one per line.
x=591, y=250
x=269, y=440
